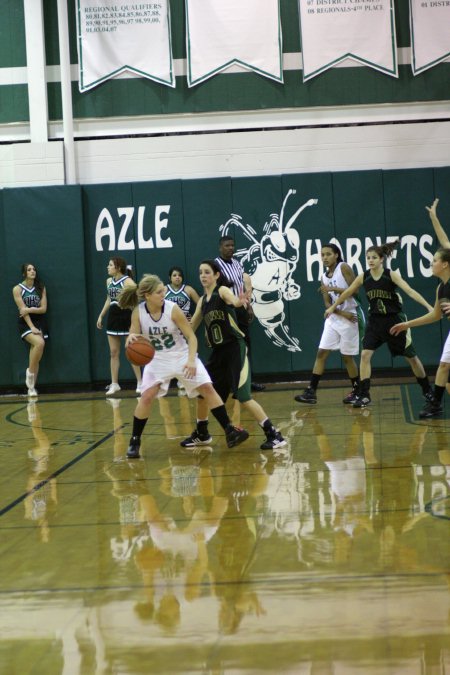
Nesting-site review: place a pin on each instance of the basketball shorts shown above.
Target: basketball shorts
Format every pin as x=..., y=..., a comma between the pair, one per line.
x=229, y=370
x=445, y=356
x=340, y=334
x=377, y=333
x=165, y=367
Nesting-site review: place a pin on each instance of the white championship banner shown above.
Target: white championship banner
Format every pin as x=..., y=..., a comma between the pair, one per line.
x=430, y=33
x=118, y=35
x=335, y=30
x=246, y=33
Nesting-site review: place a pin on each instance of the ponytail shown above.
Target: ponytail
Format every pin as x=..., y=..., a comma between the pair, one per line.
x=384, y=250
x=128, y=297
x=131, y=296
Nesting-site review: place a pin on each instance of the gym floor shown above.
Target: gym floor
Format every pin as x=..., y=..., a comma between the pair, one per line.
x=330, y=556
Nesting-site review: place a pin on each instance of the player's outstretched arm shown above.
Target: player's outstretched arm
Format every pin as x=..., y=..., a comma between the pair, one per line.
x=434, y=315
x=439, y=230
x=401, y=283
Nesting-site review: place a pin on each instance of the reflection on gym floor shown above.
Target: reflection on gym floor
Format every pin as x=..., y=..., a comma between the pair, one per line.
x=330, y=556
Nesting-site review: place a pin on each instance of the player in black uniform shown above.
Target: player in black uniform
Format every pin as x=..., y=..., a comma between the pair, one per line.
x=118, y=321
x=30, y=297
x=239, y=281
x=441, y=269
x=385, y=310
x=228, y=365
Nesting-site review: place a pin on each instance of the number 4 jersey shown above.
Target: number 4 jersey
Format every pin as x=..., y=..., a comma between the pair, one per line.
x=163, y=333
x=382, y=294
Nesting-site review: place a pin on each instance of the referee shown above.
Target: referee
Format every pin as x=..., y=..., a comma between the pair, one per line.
x=240, y=282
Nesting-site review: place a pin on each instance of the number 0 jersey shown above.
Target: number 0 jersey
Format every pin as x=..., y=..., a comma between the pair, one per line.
x=220, y=321
x=163, y=333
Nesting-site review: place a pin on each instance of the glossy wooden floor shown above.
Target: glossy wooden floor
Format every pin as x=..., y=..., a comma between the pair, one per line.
x=331, y=557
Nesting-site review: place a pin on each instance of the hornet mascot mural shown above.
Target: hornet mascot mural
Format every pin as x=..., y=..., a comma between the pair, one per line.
x=271, y=263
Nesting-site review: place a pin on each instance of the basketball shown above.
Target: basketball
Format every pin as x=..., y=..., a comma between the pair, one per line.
x=140, y=352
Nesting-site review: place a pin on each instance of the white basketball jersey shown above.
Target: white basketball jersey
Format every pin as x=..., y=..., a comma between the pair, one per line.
x=164, y=334
x=338, y=281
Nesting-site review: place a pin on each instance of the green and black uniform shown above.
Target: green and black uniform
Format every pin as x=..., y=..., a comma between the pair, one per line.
x=228, y=365
x=119, y=320
x=31, y=298
x=385, y=310
x=444, y=296
x=444, y=293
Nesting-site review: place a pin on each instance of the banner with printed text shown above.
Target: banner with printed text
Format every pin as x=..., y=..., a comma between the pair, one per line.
x=245, y=33
x=114, y=36
x=430, y=33
x=335, y=30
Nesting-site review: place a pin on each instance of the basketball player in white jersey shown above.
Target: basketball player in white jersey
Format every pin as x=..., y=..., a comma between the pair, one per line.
x=165, y=326
x=344, y=332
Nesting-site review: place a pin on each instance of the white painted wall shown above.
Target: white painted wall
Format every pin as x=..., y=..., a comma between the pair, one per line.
x=246, y=153
x=252, y=153
x=29, y=164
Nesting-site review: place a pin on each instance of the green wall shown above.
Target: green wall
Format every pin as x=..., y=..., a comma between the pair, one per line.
x=70, y=233
x=224, y=92
x=12, y=34
x=45, y=226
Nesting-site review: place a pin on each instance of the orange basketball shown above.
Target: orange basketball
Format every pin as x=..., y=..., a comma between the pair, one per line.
x=140, y=352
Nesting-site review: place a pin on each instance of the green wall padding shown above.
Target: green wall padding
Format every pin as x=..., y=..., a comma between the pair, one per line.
x=206, y=205
x=44, y=226
x=95, y=199
x=155, y=225
x=255, y=199
x=314, y=223
x=358, y=201
x=405, y=195
x=8, y=335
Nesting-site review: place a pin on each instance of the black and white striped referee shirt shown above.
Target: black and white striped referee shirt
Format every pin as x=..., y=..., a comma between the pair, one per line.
x=233, y=271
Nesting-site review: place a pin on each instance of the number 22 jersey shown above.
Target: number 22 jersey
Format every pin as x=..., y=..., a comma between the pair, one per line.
x=163, y=333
